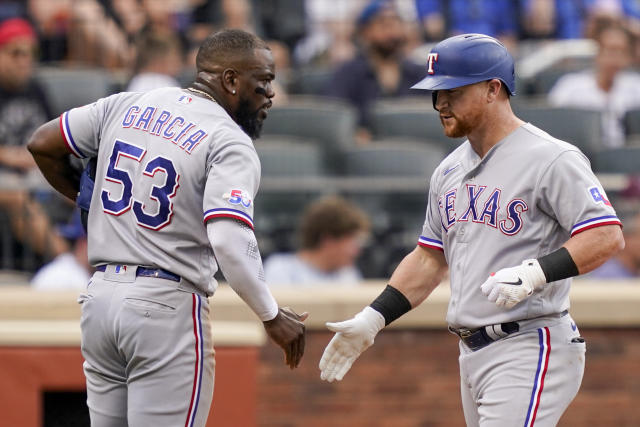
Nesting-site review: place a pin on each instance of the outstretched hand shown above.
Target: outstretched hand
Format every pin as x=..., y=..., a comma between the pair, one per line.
x=352, y=337
x=288, y=331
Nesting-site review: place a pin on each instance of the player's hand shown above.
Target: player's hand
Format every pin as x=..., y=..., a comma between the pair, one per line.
x=509, y=286
x=287, y=330
x=352, y=337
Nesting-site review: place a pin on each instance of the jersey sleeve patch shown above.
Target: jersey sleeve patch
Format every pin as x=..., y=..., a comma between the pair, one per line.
x=430, y=243
x=595, y=222
x=228, y=213
x=238, y=197
x=67, y=137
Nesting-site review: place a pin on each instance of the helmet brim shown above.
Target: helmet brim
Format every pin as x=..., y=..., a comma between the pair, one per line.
x=445, y=82
x=451, y=82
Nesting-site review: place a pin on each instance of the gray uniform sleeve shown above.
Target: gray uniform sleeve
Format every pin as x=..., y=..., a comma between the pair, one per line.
x=431, y=236
x=236, y=250
x=232, y=182
x=570, y=193
x=81, y=127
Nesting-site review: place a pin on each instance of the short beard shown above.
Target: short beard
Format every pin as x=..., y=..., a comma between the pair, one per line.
x=460, y=130
x=248, y=120
x=463, y=127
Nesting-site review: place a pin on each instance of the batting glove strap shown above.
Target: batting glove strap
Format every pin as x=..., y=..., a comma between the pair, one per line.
x=509, y=286
x=352, y=337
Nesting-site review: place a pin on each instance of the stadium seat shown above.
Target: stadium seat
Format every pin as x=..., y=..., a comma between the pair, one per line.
x=582, y=128
x=286, y=156
x=328, y=121
x=394, y=157
x=624, y=160
x=412, y=118
x=69, y=88
x=632, y=122
x=310, y=81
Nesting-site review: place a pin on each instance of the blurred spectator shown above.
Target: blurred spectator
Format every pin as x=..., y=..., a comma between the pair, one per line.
x=209, y=15
x=69, y=270
x=331, y=232
x=52, y=19
x=497, y=18
x=552, y=19
x=626, y=12
x=97, y=36
x=609, y=87
x=158, y=62
x=23, y=107
x=12, y=9
x=282, y=61
x=432, y=19
x=330, y=27
x=625, y=265
x=380, y=69
x=281, y=20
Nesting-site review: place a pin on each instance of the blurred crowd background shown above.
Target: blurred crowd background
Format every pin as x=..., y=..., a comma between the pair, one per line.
x=345, y=133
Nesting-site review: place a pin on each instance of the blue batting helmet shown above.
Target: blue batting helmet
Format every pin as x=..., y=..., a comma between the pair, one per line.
x=466, y=59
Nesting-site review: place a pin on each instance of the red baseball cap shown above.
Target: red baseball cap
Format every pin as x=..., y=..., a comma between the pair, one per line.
x=15, y=28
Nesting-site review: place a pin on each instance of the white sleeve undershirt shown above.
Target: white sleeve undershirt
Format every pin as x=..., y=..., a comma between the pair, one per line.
x=236, y=250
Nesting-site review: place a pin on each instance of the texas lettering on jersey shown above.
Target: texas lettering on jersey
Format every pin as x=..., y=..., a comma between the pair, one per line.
x=483, y=207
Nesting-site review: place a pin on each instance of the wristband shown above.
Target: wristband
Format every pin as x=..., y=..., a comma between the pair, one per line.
x=558, y=265
x=391, y=303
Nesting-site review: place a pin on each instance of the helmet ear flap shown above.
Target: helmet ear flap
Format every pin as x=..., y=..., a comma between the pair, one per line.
x=434, y=98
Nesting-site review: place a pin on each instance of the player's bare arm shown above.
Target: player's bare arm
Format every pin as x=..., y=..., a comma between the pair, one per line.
x=419, y=273
x=411, y=283
x=51, y=155
x=591, y=248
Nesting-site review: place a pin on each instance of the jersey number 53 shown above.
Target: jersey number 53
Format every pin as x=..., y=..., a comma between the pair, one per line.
x=160, y=194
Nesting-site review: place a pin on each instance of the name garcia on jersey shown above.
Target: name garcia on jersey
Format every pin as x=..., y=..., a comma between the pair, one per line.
x=482, y=207
x=162, y=123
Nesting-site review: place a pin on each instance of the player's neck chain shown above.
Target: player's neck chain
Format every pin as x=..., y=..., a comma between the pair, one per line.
x=203, y=93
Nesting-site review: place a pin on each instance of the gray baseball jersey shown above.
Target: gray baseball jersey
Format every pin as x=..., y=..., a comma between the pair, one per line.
x=524, y=199
x=168, y=161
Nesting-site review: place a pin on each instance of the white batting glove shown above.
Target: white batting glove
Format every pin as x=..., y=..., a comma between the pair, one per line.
x=352, y=337
x=509, y=286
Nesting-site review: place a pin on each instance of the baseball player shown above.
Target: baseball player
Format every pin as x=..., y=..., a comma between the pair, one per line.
x=175, y=179
x=514, y=214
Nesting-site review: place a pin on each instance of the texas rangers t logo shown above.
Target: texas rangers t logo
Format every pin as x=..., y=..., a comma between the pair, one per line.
x=431, y=59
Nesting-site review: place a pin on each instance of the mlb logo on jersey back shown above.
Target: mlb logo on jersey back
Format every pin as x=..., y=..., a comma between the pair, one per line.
x=121, y=269
x=598, y=197
x=184, y=99
x=238, y=197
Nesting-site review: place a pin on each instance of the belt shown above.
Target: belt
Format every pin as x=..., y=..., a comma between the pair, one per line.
x=149, y=272
x=476, y=339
